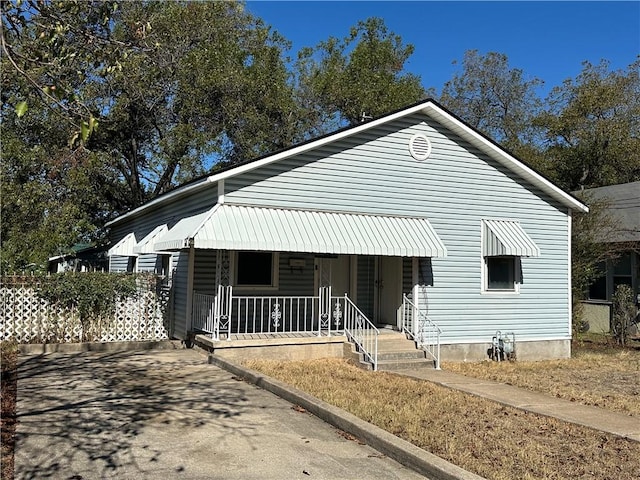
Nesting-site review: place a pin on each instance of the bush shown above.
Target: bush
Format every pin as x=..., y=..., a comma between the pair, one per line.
x=92, y=294
x=625, y=313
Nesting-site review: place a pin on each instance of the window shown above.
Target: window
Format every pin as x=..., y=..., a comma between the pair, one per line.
x=503, y=244
x=132, y=264
x=598, y=289
x=255, y=269
x=502, y=274
x=622, y=271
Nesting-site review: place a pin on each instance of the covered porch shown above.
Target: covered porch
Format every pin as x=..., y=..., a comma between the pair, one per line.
x=259, y=273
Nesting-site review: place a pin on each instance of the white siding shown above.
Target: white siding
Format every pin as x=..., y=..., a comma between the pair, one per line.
x=455, y=188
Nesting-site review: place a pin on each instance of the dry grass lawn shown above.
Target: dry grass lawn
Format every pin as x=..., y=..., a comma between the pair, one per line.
x=481, y=436
x=597, y=374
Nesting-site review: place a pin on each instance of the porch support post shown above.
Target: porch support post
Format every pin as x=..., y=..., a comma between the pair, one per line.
x=353, y=278
x=415, y=280
x=190, y=270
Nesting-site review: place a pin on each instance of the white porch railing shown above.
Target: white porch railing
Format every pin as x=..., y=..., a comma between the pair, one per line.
x=224, y=315
x=422, y=329
x=359, y=329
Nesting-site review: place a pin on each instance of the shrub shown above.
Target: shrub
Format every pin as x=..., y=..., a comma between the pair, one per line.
x=625, y=313
x=92, y=294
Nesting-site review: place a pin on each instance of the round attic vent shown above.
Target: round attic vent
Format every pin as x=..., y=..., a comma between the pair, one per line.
x=420, y=147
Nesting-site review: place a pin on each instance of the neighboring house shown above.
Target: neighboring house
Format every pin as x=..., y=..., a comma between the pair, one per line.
x=415, y=216
x=83, y=257
x=623, y=207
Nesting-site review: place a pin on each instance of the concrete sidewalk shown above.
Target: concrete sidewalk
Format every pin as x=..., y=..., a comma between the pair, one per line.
x=593, y=417
x=168, y=414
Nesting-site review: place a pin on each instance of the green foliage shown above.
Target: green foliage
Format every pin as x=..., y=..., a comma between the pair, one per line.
x=592, y=126
x=494, y=97
x=591, y=244
x=625, y=313
x=50, y=50
x=93, y=294
x=361, y=73
x=498, y=100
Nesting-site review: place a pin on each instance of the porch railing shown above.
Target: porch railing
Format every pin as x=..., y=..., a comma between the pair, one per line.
x=422, y=329
x=224, y=314
x=359, y=330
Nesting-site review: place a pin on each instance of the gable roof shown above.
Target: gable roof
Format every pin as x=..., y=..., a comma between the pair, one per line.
x=427, y=107
x=623, y=204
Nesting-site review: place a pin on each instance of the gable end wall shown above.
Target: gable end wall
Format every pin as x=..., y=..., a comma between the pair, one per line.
x=454, y=188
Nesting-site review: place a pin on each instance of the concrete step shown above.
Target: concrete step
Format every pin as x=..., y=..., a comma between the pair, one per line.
x=400, y=354
x=405, y=364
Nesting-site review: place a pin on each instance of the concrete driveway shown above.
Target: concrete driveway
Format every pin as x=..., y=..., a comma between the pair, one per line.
x=167, y=414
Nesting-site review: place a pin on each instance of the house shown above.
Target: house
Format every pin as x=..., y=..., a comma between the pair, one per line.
x=82, y=257
x=412, y=221
x=622, y=205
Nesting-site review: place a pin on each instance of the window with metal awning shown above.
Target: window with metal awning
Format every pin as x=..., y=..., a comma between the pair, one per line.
x=504, y=242
x=507, y=238
x=236, y=227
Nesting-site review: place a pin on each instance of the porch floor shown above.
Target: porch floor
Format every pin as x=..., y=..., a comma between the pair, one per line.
x=288, y=337
x=271, y=339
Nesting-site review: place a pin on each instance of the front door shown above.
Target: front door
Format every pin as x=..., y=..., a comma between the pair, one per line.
x=389, y=290
x=335, y=272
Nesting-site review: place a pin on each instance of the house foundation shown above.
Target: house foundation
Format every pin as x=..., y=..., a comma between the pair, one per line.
x=525, y=351
x=275, y=348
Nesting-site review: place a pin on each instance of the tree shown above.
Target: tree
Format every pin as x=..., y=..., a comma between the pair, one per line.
x=173, y=86
x=54, y=48
x=107, y=105
x=496, y=99
x=592, y=127
x=363, y=73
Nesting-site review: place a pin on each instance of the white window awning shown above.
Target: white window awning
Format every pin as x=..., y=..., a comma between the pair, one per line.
x=233, y=227
x=507, y=238
x=124, y=248
x=146, y=244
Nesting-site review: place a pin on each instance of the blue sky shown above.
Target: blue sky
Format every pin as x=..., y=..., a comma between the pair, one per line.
x=548, y=40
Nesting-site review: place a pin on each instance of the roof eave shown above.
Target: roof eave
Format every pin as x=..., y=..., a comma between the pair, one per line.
x=183, y=190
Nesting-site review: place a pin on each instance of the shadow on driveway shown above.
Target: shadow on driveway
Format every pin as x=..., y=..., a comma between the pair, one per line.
x=169, y=414
x=89, y=409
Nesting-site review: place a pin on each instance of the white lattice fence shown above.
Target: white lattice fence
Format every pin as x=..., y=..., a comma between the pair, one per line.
x=27, y=318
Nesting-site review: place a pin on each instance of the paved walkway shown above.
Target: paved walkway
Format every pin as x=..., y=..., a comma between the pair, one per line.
x=167, y=414
x=593, y=417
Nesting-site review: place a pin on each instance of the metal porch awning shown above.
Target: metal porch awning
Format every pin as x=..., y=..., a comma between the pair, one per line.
x=146, y=244
x=125, y=247
x=506, y=237
x=234, y=227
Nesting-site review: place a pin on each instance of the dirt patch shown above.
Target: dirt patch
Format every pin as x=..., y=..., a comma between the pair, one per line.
x=9, y=390
x=481, y=436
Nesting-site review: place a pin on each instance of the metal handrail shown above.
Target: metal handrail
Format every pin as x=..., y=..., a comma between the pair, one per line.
x=361, y=331
x=422, y=331
x=227, y=314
